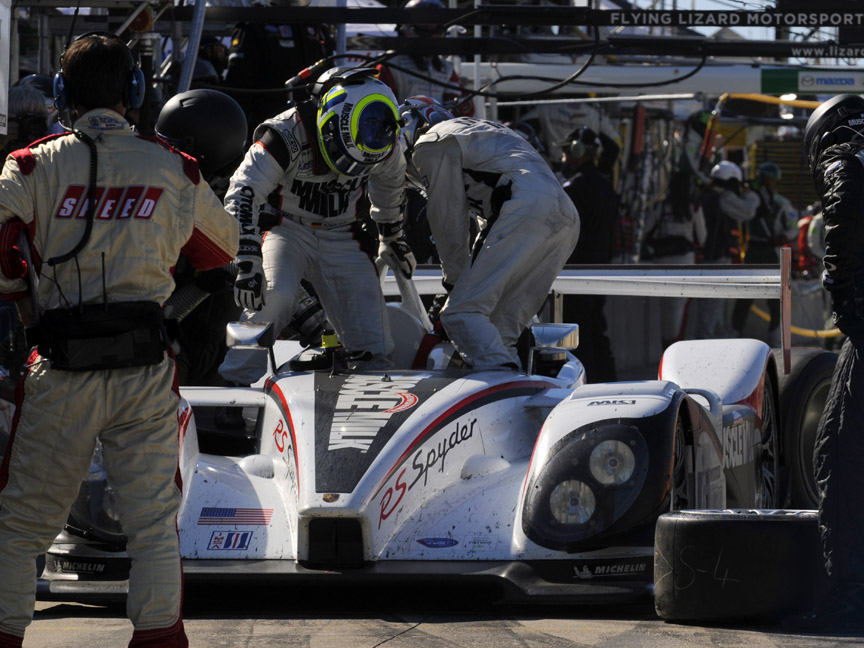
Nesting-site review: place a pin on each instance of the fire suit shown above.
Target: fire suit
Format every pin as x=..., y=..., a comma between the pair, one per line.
x=152, y=204
x=317, y=238
x=528, y=227
x=839, y=457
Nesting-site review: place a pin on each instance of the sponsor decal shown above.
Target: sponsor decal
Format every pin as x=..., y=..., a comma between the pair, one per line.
x=80, y=567
x=438, y=543
x=810, y=81
x=364, y=406
x=229, y=540
x=614, y=401
x=119, y=203
x=243, y=210
x=293, y=145
x=398, y=490
x=280, y=436
x=738, y=443
x=105, y=123
x=327, y=199
x=247, y=516
x=587, y=572
x=424, y=460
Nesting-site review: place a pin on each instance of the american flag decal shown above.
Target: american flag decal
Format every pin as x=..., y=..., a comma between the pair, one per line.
x=250, y=516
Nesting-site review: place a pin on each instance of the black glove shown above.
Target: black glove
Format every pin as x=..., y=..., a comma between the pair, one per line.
x=249, y=285
x=394, y=249
x=435, y=309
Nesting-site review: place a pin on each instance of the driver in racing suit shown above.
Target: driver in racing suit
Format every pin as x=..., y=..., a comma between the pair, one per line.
x=309, y=167
x=101, y=370
x=834, y=146
x=528, y=226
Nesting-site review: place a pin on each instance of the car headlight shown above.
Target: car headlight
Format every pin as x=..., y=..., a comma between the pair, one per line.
x=95, y=510
x=572, y=502
x=588, y=486
x=612, y=462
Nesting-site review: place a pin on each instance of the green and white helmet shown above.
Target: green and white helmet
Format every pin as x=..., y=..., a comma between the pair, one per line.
x=358, y=125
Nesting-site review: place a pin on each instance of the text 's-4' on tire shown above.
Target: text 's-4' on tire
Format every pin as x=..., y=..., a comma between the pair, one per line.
x=728, y=566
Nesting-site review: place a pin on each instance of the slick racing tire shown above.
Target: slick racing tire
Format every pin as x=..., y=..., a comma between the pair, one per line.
x=802, y=398
x=736, y=565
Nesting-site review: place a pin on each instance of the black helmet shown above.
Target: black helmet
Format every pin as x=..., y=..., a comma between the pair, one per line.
x=838, y=120
x=208, y=125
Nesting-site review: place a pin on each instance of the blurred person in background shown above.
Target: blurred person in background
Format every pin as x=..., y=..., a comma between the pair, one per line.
x=597, y=203
x=774, y=225
x=726, y=202
x=28, y=118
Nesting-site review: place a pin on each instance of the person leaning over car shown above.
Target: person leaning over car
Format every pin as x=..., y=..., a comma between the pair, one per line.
x=474, y=167
x=309, y=167
x=107, y=213
x=834, y=148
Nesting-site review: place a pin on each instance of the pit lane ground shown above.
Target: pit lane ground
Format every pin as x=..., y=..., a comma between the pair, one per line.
x=355, y=617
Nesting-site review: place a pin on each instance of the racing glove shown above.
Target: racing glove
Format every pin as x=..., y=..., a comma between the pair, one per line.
x=249, y=284
x=394, y=249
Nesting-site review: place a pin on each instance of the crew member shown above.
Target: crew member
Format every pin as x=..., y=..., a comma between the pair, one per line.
x=726, y=203
x=309, y=167
x=597, y=202
x=107, y=213
x=833, y=145
x=528, y=226
x=774, y=225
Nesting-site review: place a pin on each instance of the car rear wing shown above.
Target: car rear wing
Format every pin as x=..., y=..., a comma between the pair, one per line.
x=736, y=281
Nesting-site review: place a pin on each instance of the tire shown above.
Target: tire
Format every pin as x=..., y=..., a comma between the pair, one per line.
x=736, y=565
x=802, y=398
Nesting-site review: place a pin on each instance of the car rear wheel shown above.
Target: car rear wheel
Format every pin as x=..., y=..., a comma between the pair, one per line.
x=802, y=398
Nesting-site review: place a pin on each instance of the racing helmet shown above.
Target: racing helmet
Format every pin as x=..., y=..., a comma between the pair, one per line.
x=417, y=115
x=836, y=121
x=725, y=171
x=206, y=124
x=327, y=79
x=357, y=124
x=422, y=30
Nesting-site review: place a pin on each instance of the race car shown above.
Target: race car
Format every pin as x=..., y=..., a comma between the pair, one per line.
x=534, y=480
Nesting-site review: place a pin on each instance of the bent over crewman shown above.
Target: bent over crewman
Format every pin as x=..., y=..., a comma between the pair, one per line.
x=106, y=213
x=527, y=226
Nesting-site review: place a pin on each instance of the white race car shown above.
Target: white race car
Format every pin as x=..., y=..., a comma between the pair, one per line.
x=536, y=480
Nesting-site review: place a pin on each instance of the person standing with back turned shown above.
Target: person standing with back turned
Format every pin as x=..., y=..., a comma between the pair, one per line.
x=107, y=213
x=834, y=146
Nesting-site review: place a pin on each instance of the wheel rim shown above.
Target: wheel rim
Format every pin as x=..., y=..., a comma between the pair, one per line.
x=768, y=464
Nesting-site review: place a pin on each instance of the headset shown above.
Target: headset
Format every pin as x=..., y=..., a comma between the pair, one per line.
x=585, y=139
x=133, y=95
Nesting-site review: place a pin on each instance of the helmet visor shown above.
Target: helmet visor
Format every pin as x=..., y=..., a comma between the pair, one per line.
x=376, y=128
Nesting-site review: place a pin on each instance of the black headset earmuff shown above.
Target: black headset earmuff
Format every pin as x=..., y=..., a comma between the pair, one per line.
x=135, y=86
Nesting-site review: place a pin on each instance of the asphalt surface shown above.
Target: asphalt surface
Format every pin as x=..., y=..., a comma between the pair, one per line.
x=358, y=617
